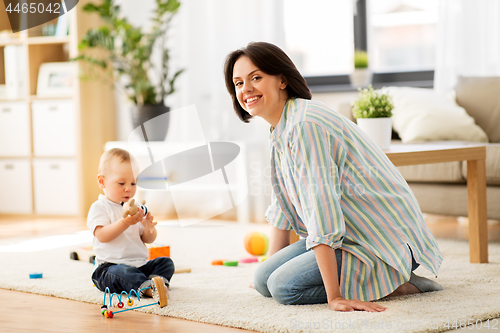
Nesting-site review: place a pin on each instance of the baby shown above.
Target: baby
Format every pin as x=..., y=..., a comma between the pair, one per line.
x=119, y=243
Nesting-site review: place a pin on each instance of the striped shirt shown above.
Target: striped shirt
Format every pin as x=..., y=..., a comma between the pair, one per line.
x=334, y=186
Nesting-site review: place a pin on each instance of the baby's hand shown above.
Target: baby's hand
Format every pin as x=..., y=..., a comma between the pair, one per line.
x=133, y=219
x=148, y=223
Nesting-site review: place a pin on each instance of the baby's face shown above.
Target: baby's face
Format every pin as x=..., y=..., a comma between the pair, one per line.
x=119, y=183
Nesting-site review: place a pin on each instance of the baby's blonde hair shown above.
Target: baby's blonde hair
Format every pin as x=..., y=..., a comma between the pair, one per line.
x=109, y=156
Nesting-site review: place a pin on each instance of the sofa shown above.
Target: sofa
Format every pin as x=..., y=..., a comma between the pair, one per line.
x=441, y=188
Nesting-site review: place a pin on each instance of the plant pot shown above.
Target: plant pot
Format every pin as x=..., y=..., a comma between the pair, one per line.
x=154, y=117
x=379, y=130
x=361, y=77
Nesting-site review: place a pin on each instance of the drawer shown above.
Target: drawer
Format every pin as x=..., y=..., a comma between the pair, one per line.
x=15, y=192
x=56, y=186
x=15, y=135
x=54, y=126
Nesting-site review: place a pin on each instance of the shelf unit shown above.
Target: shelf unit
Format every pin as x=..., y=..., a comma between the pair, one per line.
x=50, y=146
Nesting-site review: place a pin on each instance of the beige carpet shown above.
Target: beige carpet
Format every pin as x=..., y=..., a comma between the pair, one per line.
x=221, y=295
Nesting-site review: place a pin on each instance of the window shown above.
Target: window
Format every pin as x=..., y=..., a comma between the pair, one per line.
x=402, y=35
x=399, y=35
x=319, y=36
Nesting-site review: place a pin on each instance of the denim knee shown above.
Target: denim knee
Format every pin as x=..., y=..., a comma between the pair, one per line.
x=260, y=280
x=280, y=290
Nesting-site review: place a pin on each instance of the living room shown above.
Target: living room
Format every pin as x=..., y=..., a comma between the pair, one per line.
x=438, y=60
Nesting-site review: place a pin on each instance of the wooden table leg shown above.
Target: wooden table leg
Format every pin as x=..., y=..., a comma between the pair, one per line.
x=478, y=229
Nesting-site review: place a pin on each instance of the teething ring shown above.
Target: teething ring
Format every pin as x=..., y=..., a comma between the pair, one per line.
x=159, y=291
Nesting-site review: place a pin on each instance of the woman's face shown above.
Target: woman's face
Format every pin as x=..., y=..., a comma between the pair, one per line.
x=258, y=93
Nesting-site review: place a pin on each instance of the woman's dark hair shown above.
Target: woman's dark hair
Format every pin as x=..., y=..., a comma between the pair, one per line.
x=271, y=60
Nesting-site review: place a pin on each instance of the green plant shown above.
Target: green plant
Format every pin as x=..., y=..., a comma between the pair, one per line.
x=128, y=50
x=372, y=104
x=360, y=59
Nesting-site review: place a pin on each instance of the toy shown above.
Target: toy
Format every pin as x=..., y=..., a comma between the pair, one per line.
x=156, y=251
x=131, y=208
x=83, y=253
x=230, y=263
x=256, y=243
x=159, y=294
x=218, y=262
x=36, y=275
x=249, y=260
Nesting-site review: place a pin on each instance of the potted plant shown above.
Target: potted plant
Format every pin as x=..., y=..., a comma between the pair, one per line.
x=373, y=111
x=362, y=75
x=127, y=59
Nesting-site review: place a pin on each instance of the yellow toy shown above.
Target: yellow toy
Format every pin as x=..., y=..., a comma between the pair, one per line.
x=256, y=243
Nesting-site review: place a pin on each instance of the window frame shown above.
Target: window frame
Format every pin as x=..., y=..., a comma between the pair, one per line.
x=337, y=83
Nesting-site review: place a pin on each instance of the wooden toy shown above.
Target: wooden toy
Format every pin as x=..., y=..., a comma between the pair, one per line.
x=85, y=253
x=131, y=208
x=36, y=275
x=256, y=243
x=218, y=262
x=159, y=295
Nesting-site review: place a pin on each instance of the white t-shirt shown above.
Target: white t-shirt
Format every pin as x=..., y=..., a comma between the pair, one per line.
x=128, y=248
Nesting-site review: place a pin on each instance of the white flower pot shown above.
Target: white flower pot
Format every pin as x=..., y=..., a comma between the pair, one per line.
x=379, y=130
x=361, y=77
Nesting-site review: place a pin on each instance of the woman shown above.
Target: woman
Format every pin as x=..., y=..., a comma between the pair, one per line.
x=334, y=188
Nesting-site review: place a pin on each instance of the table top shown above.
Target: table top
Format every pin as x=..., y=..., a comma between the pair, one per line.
x=412, y=154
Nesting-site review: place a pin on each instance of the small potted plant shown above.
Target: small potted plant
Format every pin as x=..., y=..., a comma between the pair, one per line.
x=373, y=111
x=362, y=75
x=127, y=59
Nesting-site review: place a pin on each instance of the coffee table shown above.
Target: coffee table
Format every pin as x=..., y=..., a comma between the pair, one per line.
x=412, y=154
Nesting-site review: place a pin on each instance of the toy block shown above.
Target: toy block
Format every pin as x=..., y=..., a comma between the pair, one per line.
x=156, y=251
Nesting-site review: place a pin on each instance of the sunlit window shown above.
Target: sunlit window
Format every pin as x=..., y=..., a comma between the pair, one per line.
x=319, y=36
x=402, y=34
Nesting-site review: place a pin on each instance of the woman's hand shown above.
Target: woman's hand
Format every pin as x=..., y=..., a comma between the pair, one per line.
x=342, y=304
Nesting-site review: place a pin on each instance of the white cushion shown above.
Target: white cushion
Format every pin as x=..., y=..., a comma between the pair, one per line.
x=422, y=115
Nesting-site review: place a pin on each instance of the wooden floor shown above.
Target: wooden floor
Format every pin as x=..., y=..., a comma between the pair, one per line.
x=25, y=312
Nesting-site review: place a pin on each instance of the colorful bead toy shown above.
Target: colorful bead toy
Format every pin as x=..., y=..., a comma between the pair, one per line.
x=157, y=287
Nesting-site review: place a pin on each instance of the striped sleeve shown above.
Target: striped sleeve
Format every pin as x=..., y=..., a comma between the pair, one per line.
x=274, y=215
x=318, y=187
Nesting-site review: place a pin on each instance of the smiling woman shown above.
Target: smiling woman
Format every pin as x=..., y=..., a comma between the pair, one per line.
x=254, y=72
x=366, y=230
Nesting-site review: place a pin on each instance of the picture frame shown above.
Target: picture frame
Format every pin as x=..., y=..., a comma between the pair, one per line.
x=56, y=79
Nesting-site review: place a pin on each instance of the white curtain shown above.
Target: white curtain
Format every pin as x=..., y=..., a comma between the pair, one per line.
x=468, y=41
x=206, y=31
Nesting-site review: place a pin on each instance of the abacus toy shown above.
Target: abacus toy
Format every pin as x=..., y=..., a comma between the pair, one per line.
x=159, y=293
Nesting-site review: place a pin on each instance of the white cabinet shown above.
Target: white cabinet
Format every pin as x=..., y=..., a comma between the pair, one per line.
x=56, y=186
x=15, y=129
x=54, y=128
x=15, y=189
x=50, y=146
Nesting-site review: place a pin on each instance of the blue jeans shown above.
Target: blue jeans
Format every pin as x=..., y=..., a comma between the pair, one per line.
x=292, y=276
x=120, y=277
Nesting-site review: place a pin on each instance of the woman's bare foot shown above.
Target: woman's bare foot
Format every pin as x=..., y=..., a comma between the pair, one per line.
x=405, y=289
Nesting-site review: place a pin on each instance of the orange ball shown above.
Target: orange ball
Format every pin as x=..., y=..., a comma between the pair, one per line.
x=256, y=243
